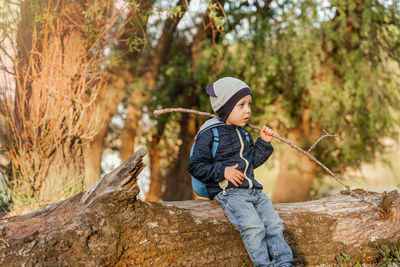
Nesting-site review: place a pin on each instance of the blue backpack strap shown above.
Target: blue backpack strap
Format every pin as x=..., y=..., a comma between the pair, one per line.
x=215, y=141
x=246, y=134
x=198, y=186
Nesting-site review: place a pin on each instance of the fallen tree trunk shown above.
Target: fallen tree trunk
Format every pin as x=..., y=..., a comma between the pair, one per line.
x=107, y=225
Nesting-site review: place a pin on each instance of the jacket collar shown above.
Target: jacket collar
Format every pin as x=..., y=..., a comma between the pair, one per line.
x=210, y=124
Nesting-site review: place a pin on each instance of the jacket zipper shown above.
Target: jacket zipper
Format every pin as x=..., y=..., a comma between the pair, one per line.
x=245, y=160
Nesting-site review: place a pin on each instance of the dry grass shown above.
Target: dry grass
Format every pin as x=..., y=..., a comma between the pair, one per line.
x=55, y=109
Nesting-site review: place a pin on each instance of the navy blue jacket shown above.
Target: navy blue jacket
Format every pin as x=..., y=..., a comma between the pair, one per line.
x=232, y=148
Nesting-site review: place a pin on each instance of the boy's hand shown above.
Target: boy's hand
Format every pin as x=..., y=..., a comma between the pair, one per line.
x=234, y=176
x=266, y=134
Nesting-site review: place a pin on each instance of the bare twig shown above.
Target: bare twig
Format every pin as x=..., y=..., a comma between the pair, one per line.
x=311, y=157
x=168, y=110
x=322, y=137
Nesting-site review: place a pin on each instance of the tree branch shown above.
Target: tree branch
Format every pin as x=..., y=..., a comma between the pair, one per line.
x=311, y=157
x=322, y=137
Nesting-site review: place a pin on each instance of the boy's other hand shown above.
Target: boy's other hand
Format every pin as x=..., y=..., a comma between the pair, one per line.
x=234, y=176
x=266, y=134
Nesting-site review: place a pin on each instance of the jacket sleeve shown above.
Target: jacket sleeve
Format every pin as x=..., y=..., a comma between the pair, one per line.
x=201, y=163
x=262, y=151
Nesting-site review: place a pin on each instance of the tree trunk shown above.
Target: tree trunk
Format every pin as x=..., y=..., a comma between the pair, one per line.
x=106, y=107
x=180, y=189
x=178, y=185
x=50, y=103
x=139, y=96
x=156, y=178
x=107, y=226
x=136, y=28
x=128, y=133
x=297, y=172
x=92, y=156
x=296, y=175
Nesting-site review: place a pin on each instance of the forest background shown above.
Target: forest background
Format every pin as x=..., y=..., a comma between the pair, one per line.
x=80, y=81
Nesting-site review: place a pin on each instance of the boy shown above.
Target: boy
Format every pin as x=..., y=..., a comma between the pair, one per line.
x=229, y=176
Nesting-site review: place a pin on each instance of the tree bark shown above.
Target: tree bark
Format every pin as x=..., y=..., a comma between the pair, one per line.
x=107, y=225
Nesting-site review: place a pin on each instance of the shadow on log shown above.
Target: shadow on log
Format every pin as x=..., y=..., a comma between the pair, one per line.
x=108, y=226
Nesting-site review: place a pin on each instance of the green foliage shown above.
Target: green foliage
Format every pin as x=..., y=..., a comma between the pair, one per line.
x=5, y=194
x=95, y=14
x=336, y=60
x=389, y=255
x=134, y=35
x=244, y=261
x=176, y=11
x=214, y=14
x=342, y=260
x=362, y=88
x=338, y=68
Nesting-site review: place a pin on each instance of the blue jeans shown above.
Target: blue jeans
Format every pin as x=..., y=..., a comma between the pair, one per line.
x=260, y=227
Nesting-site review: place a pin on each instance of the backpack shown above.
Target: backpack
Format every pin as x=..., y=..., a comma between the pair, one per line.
x=198, y=186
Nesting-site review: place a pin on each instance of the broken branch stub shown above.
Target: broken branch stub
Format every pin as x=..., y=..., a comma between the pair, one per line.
x=121, y=178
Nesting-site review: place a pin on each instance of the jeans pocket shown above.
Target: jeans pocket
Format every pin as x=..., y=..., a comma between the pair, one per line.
x=223, y=197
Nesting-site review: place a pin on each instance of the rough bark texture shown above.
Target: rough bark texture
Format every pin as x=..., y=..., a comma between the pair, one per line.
x=107, y=226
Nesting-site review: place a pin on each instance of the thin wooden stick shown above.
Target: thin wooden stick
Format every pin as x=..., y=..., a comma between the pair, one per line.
x=322, y=137
x=168, y=110
x=311, y=157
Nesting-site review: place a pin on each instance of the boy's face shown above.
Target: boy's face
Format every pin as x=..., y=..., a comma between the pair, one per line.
x=240, y=114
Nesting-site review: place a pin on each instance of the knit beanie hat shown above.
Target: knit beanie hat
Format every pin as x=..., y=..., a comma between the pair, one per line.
x=225, y=93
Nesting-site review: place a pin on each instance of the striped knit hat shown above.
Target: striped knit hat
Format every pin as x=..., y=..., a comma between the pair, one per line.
x=225, y=93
